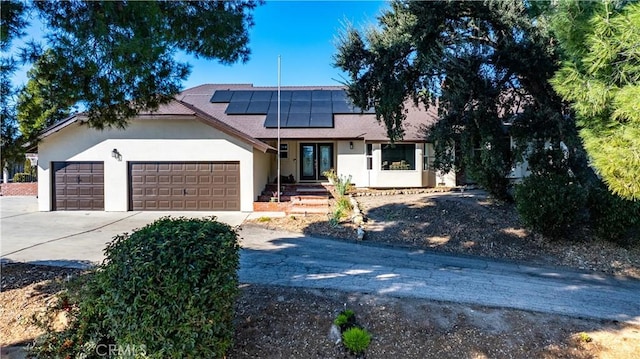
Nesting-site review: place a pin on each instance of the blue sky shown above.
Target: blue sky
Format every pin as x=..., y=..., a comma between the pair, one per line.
x=302, y=33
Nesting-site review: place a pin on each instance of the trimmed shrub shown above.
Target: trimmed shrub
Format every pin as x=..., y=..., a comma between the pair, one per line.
x=550, y=204
x=612, y=217
x=356, y=340
x=168, y=290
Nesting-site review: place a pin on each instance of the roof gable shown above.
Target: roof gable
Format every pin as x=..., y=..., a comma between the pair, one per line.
x=174, y=109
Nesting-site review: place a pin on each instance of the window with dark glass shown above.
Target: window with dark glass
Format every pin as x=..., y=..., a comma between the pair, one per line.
x=369, y=156
x=398, y=157
x=427, y=162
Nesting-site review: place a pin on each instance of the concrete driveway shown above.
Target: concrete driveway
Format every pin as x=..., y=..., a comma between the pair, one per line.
x=74, y=238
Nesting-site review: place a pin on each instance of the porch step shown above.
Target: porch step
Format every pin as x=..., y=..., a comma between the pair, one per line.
x=309, y=204
x=267, y=198
x=308, y=200
x=289, y=191
x=315, y=189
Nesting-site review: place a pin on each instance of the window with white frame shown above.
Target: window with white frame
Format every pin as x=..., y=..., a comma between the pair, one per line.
x=369, y=156
x=398, y=157
x=428, y=157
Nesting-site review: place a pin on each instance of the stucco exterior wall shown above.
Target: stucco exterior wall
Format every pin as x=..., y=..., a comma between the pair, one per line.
x=396, y=178
x=352, y=162
x=143, y=140
x=261, y=171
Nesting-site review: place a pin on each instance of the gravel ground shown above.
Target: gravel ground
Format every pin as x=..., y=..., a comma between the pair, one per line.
x=468, y=223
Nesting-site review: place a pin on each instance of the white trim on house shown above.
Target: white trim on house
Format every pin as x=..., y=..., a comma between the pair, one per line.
x=350, y=159
x=168, y=140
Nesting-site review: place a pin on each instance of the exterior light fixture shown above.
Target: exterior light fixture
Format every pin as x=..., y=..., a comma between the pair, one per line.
x=115, y=154
x=350, y=144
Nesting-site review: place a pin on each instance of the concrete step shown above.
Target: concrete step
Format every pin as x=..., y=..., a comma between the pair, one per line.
x=267, y=198
x=310, y=200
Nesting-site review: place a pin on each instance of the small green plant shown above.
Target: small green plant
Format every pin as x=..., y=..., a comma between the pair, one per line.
x=344, y=203
x=331, y=175
x=343, y=185
x=264, y=219
x=336, y=216
x=584, y=337
x=356, y=339
x=345, y=320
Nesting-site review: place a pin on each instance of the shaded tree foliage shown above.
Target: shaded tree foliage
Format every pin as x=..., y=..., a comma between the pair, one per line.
x=116, y=58
x=600, y=76
x=486, y=65
x=37, y=106
x=12, y=23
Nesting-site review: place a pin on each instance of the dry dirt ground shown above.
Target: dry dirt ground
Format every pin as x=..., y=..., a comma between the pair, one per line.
x=279, y=322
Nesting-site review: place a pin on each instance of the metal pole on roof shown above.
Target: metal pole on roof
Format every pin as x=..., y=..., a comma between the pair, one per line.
x=278, y=180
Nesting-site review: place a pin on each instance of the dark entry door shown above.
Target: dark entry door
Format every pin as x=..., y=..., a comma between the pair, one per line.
x=315, y=159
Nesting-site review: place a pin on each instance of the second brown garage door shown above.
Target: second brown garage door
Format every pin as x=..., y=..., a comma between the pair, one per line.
x=184, y=186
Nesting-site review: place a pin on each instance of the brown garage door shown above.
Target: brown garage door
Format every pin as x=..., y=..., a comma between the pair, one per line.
x=78, y=186
x=184, y=186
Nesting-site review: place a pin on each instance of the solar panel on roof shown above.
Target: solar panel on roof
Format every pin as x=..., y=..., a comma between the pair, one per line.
x=284, y=95
x=338, y=95
x=262, y=95
x=321, y=107
x=241, y=95
x=284, y=106
x=237, y=108
x=321, y=95
x=298, y=120
x=271, y=121
x=304, y=95
x=221, y=96
x=342, y=107
x=258, y=107
x=300, y=107
x=323, y=120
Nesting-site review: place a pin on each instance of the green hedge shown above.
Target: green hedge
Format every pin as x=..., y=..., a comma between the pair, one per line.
x=167, y=290
x=612, y=217
x=551, y=203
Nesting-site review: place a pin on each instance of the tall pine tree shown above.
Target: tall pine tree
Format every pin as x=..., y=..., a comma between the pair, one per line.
x=600, y=76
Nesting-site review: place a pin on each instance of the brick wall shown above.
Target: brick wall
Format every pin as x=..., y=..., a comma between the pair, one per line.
x=271, y=206
x=19, y=189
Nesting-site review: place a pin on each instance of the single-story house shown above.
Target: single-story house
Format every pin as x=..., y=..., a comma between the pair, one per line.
x=215, y=148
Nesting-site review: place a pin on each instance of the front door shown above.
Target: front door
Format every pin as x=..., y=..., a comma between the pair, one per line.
x=316, y=158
